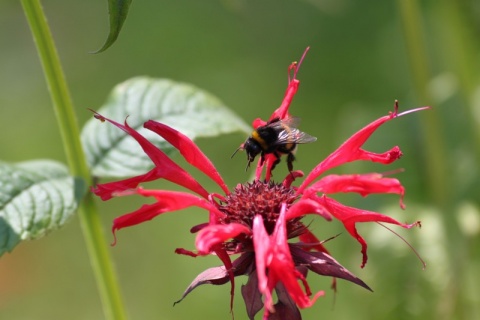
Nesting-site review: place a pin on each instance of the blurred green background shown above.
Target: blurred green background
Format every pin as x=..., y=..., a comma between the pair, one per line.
x=363, y=56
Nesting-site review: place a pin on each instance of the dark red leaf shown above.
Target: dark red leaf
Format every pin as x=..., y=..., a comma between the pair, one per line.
x=323, y=264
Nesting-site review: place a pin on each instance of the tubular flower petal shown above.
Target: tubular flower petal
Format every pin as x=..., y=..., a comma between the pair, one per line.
x=351, y=150
x=260, y=220
x=363, y=184
x=272, y=253
x=212, y=235
x=189, y=150
x=350, y=216
x=165, y=168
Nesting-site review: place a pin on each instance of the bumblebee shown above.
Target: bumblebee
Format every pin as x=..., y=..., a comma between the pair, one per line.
x=277, y=137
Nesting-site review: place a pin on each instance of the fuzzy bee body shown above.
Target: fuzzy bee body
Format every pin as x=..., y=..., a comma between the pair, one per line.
x=277, y=137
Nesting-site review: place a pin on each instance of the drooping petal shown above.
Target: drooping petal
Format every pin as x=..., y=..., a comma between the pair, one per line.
x=189, y=150
x=212, y=235
x=364, y=184
x=351, y=150
x=219, y=275
x=287, y=182
x=106, y=190
x=167, y=201
x=349, y=216
x=307, y=206
x=261, y=243
x=164, y=167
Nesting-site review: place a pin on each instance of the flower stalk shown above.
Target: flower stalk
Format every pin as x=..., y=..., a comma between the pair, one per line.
x=63, y=106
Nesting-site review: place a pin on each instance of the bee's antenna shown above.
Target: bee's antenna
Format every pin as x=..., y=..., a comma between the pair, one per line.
x=239, y=148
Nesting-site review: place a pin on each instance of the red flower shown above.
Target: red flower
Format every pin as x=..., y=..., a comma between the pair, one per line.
x=256, y=220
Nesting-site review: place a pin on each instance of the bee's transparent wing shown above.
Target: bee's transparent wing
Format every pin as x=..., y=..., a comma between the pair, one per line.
x=291, y=122
x=302, y=137
x=293, y=135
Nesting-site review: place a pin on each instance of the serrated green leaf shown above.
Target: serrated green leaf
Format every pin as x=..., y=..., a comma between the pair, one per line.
x=36, y=197
x=117, y=12
x=194, y=112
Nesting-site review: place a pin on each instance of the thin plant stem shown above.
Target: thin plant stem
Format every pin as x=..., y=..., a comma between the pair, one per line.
x=63, y=106
x=436, y=169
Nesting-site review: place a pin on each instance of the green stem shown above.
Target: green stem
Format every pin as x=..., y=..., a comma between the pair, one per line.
x=89, y=218
x=436, y=168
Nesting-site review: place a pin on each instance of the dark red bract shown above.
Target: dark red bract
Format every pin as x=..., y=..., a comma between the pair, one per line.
x=256, y=220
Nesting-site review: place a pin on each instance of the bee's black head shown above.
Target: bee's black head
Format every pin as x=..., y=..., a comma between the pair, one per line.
x=252, y=148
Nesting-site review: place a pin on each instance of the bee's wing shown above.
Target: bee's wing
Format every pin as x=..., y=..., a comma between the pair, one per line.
x=302, y=137
x=292, y=122
x=293, y=135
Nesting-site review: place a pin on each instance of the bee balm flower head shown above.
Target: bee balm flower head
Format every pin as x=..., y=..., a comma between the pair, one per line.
x=253, y=227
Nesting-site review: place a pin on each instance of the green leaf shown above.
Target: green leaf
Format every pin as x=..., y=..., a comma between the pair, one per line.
x=194, y=112
x=117, y=11
x=36, y=197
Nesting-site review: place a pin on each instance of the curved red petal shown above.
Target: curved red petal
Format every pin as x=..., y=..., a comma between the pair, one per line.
x=347, y=152
x=287, y=182
x=177, y=200
x=308, y=237
x=213, y=235
x=292, y=88
x=307, y=206
x=351, y=150
x=106, y=190
x=282, y=111
x=164, y=167
x=167, y=201
x=364, y=184
x=349, y=216
x=273, y=253
x=189, y=150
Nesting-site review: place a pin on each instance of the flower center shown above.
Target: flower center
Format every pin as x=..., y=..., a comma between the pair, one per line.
x=260, y=198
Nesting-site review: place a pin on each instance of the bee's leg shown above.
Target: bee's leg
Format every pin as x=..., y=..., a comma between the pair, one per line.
x=290, y=159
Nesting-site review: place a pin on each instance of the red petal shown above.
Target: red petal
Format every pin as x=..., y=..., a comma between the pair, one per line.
x=287, y=182
x=349, y=216
x=165, y=167
x=212, y=235
x=167, y=201
x=106, y=190
x=273, y=253
x=364, y=184
x=189, y=150
x=282, y=111
x=351, y=150
x=307, y=206
x=308, y=237
x=186, y=252
x=258, y=123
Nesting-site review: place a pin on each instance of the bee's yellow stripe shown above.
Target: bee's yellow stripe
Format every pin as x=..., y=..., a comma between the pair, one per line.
x=256, y=137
